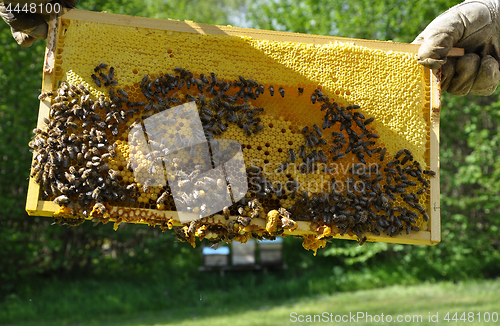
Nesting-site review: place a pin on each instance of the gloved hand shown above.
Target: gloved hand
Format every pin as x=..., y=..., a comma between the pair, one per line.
x=475, y=26
x=27, y=27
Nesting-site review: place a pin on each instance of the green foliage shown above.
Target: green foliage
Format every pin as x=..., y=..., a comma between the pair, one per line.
x=470, y=187
x=18, y=114
x=396, y=20
x=354, y=253
x=201, y=11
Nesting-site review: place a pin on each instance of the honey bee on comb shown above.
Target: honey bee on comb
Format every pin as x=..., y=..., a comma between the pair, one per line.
x=230, y=106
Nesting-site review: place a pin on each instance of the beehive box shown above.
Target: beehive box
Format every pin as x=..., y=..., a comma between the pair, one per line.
x=243, y=253
x=271, y=252
x=216, y=257
x=295, y=119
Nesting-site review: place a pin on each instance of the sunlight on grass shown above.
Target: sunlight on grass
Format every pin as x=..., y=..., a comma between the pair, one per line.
x=414, y=301
x=396, y=300
x=211, y=308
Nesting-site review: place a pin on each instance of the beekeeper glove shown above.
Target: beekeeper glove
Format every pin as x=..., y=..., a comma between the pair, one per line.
x=27, y=22
x=474, y=26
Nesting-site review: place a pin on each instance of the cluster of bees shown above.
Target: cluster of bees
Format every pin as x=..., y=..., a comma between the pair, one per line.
x=80, y=138
x=72, y=152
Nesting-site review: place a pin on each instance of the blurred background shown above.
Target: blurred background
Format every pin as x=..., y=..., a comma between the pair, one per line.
x=54, y=275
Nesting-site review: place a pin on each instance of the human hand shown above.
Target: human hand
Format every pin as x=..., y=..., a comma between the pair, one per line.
x=475, y=26
x=29, y=23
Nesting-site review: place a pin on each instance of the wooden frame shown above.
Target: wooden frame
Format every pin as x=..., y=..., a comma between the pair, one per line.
x=432, y=236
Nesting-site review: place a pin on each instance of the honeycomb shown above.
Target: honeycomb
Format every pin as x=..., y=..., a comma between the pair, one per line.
x=335, y=135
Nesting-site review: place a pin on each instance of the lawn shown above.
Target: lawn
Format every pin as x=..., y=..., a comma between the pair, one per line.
x=416, y=303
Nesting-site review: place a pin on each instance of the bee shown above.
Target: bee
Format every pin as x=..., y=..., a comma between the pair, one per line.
x=113, y=174
x=227, y=86
x=313, y=98
x=220, y=183
x=111, y=73
x=318, y=92
x=291, y=155
x=105, y=79
x=74, y=90
x=243, y=220
x=309, y=143
x=111, y=150
x=132, y=188
x=382, y=154
x=84, y=89
x=246, y=128
x=338, y=156
x=399, y=153
x=242, y=80
x=225, y=211
x=192, y=227
x=362, y=241
x=203, y=209
x=257, y=129
x=100, y=208
x=429, y=172
x=96, y=79
x=71, y=125
x=367, y=122
x=58, y=106
x=305, y=130
x=318, y=130
x=358, y=114
x=183, y=183
x=44, y=95
x=336, y=148
x=253, y=204
x=271, y=90
x=282, y=167
x=71, y=178
x=421, y=191
x=144, y=81
x=255, y=213
x=405, y=159
x=100, y=67
x=62, y=200
x=393, y=163
x=301, y=90
x=146, y=186
x=162, y=198
x=96, y=193
x=313, y=138
x=359, y=123
x=322, y=156
x=204, y=79
x=80, y=159
x=425, y=216
x=121, y=92
x=282, y=91
x=182, y=175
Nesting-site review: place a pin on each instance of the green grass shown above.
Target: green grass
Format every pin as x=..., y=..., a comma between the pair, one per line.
x=254, y=299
